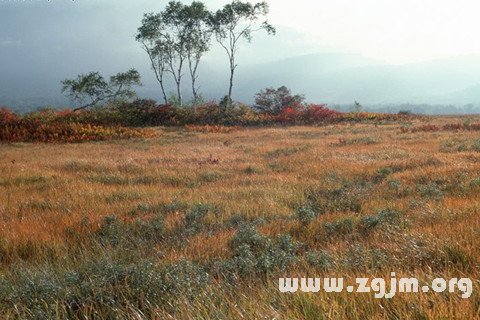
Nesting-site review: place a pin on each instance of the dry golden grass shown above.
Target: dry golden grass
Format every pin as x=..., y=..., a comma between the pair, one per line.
x=47, y=192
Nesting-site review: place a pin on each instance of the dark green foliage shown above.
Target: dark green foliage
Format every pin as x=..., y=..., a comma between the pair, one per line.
x=88, y=90
x=340, y=227
x=360, y=257
x=383, y=173
x=104, y=285
x=254, y=253
x=369, y=223
x=320, y=260
x=476, y=146
x=305, y=214
x=273, y=101
x=114, y=232
x=430, y=190
x=347, y=197
x=251, y=170
x=195, y=216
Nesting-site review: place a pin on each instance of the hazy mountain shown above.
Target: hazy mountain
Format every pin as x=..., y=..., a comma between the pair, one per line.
x=342, y=79
x=325, y=78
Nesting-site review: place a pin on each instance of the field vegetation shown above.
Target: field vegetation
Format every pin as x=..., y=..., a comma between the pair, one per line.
x=198, y=222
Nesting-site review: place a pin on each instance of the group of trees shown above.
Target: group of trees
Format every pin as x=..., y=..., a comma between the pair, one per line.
x=181, y=35
x=176, y=39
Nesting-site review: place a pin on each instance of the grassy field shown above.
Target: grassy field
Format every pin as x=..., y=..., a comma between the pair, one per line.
x=198, y=225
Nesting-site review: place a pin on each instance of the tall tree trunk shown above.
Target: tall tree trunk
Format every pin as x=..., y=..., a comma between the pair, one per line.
x=232, y=71
x=179, y=93
x=160, y=80
x=178, y=81
x=158, y=70
x=193, y=75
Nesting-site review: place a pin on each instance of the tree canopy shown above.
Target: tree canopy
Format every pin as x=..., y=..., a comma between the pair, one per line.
x=90, y=89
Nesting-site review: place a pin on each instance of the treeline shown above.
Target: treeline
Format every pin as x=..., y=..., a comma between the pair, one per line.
x=120, y=120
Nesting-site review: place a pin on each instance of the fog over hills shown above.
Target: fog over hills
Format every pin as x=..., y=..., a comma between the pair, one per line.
x=332, y=78
x=344, y=78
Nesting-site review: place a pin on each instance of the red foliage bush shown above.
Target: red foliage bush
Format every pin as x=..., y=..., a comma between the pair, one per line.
x=7, y=116
x=289, y=115
x=314, y=113
x=320, y=113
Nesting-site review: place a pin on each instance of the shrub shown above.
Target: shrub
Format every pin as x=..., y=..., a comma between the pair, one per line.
x=114, y=232
x=305, y=214
x=360, y=257
x=105, y=285
x=347, y=197
x=430, y=190
x=383, y=173
x=25, y=131
x=7, y=116
x=275, y=101
x=320, y=260
x=340, y=227
x=254, y=253
x=453, y=145
x=184, y=277
x=476, y=146
x=134, y=114
x=251, y=170
x=368, y=223
x=194, y=218
x=360, y=140
x=290, y=115
x=320, y=113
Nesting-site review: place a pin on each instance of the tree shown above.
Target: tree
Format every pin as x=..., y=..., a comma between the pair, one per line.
x=235, y=21
x=173, y=37
x=273, y=100
x=150, y=36
x=198, y=39
x=90, y=89
x=357, y=107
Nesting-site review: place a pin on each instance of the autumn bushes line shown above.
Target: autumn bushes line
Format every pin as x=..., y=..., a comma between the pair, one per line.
x=61, y=126
x=129, y=120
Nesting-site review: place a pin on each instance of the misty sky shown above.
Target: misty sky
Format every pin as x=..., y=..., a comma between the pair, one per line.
x=395, y=31
x=44, y=40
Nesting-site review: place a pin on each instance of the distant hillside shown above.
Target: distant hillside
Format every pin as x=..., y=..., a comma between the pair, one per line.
x=332, y=78
x=336, y=81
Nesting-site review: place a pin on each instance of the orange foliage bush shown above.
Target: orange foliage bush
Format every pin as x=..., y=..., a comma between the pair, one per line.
x=24, y=131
